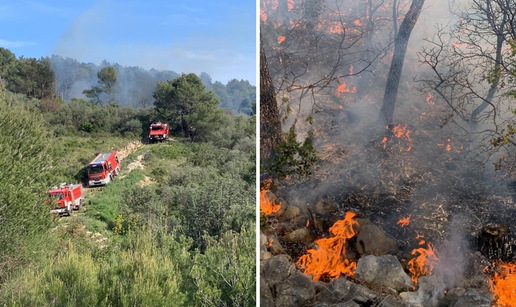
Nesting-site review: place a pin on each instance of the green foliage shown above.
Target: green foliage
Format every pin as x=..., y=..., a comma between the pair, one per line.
x=106, y=84
x=29, y=76
x=107, y=205
x=26, y=161
x=184, y=102
x=225, y=273
x=170, y=151
x=150, y=237
x=293, y=157
x=144, y=274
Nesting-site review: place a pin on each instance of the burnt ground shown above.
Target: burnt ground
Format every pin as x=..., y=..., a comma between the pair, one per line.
x=445, y=192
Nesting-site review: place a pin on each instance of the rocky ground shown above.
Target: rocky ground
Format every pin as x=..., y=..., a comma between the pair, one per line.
x=380, y=278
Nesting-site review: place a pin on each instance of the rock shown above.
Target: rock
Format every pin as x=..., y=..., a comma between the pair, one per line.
x=325, y=206
x=266, y=299
x=342, y=290
x=276, y=269
x=336, y=291
x=372, y=240
x=275, y=247
x=299, y=235
x=345, y=304
x=320, y=286
x=289, y=213
x=264, y=254
x=474, y=297
x=389, y=301
x=302, y=219
x=453, y=295
x=383, y=271
x=295, y=291
x=361, y=223
x=430, y=291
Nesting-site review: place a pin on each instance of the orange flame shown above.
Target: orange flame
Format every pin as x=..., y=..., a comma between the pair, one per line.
x=307, y=223
x=281, y=39
x=357, y=22
x=342, y=88
x=503, y=284
x=428, y=97
x=404, y=222
x=401, y=131
x=290, y=4
x=329, y=258
x=424, y=263
x=270, y=243
x=336, y=29
x=351, y=70
x=266, y=205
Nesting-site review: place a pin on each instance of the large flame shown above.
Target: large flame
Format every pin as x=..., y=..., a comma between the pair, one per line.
x=423, y=264
x=329, y=258
x=503, y=284
x=266, y=205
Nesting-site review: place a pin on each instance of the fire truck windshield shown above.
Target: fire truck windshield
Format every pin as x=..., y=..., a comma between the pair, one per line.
x=157, y=128
x=56, y=195
x=95, y=169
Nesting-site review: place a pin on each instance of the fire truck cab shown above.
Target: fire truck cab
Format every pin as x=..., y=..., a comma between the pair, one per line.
x=67, y=196
x=103, y=169
x=158, y=132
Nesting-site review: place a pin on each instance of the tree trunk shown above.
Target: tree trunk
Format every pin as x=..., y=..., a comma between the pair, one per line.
x=400, y=48
x=270, y=123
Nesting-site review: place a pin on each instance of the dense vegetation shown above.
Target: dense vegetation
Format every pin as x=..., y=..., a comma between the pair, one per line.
x=177, y=230
x=108, y=82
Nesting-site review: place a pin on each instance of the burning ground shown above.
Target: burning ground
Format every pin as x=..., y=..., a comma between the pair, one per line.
x=410, y=213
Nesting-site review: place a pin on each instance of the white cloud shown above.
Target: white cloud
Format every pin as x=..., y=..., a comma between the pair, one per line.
x=16, y=44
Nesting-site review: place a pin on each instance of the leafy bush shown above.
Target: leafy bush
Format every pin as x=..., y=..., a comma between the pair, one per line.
x=26, y=161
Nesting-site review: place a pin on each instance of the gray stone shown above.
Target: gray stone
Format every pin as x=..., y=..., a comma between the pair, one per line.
x=287, y=213
x=390, y=301
x=299, y=235
x=383, y=271
x=264, y=254
x=345, y=304
x=295, y=291
x=372, y=240
x=275, y=246
x=276, y=269
x=474, y=298
x=325, y=206
x=320, y=286
x=266, y=299
x=342, y=290
x=430, y=291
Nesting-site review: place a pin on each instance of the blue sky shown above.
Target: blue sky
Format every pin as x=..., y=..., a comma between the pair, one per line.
x=217, y=37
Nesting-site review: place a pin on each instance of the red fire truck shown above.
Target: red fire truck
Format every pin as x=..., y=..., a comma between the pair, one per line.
x=67, y=196
x=158, y=132
x=103, y=169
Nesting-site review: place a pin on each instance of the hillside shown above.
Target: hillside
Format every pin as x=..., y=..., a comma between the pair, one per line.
x=136, y=85
x=176, y=228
